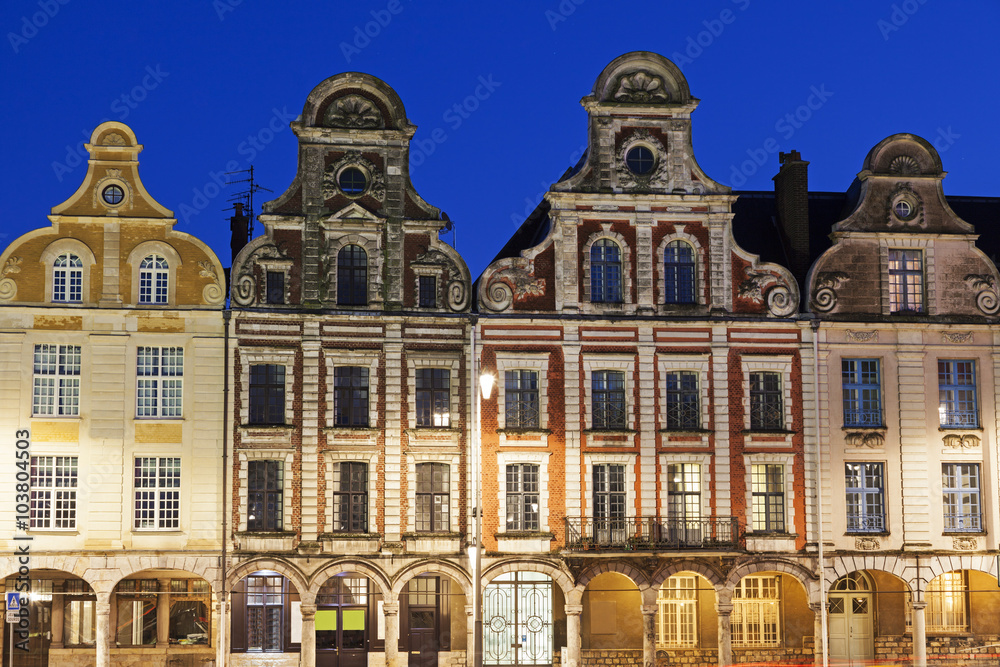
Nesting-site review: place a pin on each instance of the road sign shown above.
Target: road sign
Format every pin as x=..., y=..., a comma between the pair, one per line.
x=13, y=616
x=13, y=601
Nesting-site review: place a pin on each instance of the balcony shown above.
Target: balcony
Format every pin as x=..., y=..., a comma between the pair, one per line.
x=963, y=523
x=865, y=523
x=652, y=534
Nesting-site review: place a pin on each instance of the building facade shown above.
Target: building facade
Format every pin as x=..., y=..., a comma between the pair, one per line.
x=111, y=340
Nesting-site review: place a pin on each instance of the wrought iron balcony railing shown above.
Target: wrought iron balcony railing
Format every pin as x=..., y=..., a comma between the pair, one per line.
x=865, y=523
x=963, y=523
x=871, y=418
x=652, y=533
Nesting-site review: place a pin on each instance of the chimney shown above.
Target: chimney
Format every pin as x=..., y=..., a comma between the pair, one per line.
x=239, y=225
x=791, y=197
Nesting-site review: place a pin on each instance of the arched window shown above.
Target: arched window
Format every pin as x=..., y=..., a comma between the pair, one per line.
x=678, y=274
x=154, y=277
x=352, y=276
x=605, y=272
x=67, y=279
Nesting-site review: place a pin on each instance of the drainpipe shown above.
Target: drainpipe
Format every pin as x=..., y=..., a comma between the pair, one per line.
x=819, y=495
x=223, y=603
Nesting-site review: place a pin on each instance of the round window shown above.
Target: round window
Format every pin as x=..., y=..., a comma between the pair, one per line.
x=113, y=194
x=640, y=160
x=352, y=181
x=903, y=209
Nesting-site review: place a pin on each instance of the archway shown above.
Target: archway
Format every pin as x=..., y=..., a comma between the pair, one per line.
x=265, y=614
x=60, y=610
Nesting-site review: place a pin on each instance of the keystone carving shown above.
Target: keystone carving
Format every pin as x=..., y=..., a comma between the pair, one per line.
x=965, y=543
x=867, y=544
x=956, y=336
x=965, y=441
x=824, y=296
x=869, y=439
x=987, y=296
x=353, y=111
x=641, y=87
x=861, y=336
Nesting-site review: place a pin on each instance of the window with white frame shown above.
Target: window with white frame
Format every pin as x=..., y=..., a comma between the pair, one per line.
x=861, y=392
x=67, y=279
x=53, y=492
x=56, y=381
x=522, y=496
x=906, y=281
x=677, y=612
x=159, y=381
x=767, y=491
x=946, y=596
x=521, y=399
x=755, y=620
x=157, y=493
x=961, y=502
x=865, y=487
x=154, y=279
x=684, y=493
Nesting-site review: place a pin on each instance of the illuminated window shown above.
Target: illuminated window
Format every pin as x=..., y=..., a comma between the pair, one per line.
x=677, y=612
x=157, y=493
x=53, y=492
x=957, y=393
x=56, y=381
x=962, y=507
x=865, y=497
x=432, y=497
x=522, y=496
x=350, y=497
x=906, y=281
x=946, y=603
x=433, y=397
x=862, y=392
x=755, y=617
x=264, y=495
x=767, y=488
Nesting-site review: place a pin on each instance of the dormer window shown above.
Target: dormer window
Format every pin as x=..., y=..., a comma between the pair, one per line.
x=640, y=160
x=906, y=281
x=67, y=279
x=352, y=181
x=605, y=272
x=352, y=276
x=678, y=274
x=154, y=280
x=113, y=195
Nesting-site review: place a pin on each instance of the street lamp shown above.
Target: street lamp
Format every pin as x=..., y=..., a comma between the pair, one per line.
x=486, y=382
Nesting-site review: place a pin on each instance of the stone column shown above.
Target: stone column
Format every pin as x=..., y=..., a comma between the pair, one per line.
x=391, y=611
x=308, y=634
x=163, y=615
x=58, y=611
x=919, y=635
x=470, y=632
x=649, y=635
x=818, y=639
x=103, y=629
x=724, y=609
x=573, y=638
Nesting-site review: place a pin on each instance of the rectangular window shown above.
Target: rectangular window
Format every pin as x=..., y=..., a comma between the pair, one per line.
x=189, y=618
x=433, y=397
x=521, y=399
x=906, y=281
x=265, y=608
x=264, y=495
x=350, y=396
x=608, y=389
x=962, y=508
x=766, y=409
x=609, y=503
x=350, y=497
x=946, y=603
x=157, y=493
x=428, y=291
x=56, y=381
x=267, y=394
x=862, y=392
x=677, y=612
x=53, y=492
x=432, y=497
x=275, y=287
x=756, y=608
x=522, y=497
x=767, y=489
x=865, y=497
x=683, y=412
x=957, y=393
x=159, y=381
x=684, y=491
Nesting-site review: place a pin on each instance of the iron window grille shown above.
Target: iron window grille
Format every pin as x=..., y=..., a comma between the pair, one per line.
x=609, y=503
x=962, y=506
x=683, y=410
x=433, y=397
x=521, y=399
x=864, y=483
x=766, y=409
x=608, y=388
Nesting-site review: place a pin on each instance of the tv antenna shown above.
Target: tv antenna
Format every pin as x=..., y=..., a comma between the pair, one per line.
x=241, y=224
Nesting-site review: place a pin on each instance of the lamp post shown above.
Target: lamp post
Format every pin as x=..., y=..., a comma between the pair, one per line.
x=486, y=381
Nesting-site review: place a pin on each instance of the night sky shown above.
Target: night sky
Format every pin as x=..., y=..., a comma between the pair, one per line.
x=494, y=89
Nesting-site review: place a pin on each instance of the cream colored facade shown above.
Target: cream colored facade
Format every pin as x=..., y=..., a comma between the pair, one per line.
x=111, y=362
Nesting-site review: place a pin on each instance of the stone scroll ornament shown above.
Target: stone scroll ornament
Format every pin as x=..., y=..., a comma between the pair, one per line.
x=245, y=285
x=987, y=296
x=8, y=288
x=509, y=284
x=824, y=297
x=212, y=293
x=780, y=300
x=457, y=293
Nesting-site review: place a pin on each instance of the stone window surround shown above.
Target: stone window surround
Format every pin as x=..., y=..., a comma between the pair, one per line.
x=522, y=361
x=78, y=248
x=699, y=266
x=908, y=242
x=275, y=265
x=370, y=244
x=440, y=295
x=784, y=460
x=541, y=459
x=358, y=358
x=283, y=455
x=368, y=457
x=703, y=460
x=275, y=356
x=454, y=492
x=626, y=262
x=769, y=363
x=141, y=252
x=429, y=359
x=599, y=458
x=609, y=362
x=700, y=365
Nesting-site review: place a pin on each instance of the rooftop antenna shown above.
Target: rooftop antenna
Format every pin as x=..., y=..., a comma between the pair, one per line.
x=241, y=223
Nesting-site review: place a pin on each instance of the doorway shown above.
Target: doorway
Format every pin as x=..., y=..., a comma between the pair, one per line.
x=851, y=617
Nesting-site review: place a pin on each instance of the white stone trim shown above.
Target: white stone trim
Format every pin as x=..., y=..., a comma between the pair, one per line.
x=541, y=459
x=909, y=242
x=287, y=457
x=139, y=253
x=626, y=262
x=518, y=361
x=703, y=460
x=355, y=358
x=87, y=258
x=454, y=468
x=699, y=266
x=700, y=365
x=786, y=461
x=752, y=363
x=258, y=355
x=371, y=458
x=427, y=359
x=598, y=458
x=609, y=362
x=371, y=244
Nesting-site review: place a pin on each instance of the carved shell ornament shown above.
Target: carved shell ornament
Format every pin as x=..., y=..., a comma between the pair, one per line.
x=904, y=165
x=8, y=288
x=113, y=139
x=245, y=285
x=353, y=111
x=824, y=297
x=376, y=179
x=510, y=284
x=987, y=296
x=641, y=87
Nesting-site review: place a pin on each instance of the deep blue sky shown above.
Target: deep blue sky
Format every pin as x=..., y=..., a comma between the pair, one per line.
x=226, y=68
